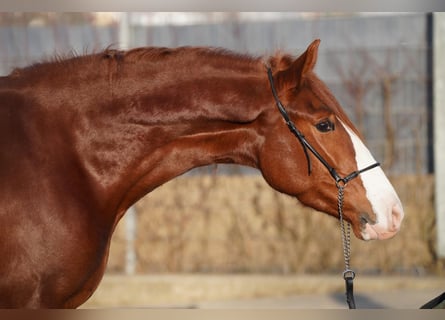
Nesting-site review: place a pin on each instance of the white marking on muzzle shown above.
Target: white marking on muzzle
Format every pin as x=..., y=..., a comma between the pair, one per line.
x=380, y=193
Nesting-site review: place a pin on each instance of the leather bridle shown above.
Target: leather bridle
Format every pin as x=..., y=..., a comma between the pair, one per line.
x=340, y=182
x=307, y=146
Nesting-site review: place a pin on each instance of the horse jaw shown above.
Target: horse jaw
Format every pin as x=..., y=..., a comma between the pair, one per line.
x=383, y=198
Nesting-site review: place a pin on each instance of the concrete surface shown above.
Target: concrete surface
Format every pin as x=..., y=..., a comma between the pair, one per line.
x=401, y=299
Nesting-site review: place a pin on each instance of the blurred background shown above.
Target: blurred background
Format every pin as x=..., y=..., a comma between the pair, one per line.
x=225, y=219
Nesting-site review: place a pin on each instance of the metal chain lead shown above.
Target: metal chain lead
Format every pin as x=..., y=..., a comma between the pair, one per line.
x=345, y=231
x=348, y=274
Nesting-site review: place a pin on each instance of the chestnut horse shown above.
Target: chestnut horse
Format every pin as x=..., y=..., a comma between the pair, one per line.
x=83, y=138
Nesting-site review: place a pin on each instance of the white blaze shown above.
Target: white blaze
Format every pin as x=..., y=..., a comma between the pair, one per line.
x=380, y=193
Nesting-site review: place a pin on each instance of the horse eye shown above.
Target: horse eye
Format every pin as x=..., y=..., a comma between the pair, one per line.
x=325, y=126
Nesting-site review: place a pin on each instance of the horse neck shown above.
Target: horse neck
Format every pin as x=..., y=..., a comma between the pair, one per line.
x=160, y=124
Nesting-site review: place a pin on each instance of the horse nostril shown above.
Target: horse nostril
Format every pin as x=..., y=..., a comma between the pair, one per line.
x=364, y=219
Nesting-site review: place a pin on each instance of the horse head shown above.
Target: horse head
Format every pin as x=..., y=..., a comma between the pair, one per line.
x=289, y=165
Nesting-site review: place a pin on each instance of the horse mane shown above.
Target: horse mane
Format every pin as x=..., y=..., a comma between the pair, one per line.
x=70, y=58
x=220, y=56
x=213, y=56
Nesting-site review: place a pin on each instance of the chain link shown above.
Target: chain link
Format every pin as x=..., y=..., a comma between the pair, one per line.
x=345, y=230
x=348, y=274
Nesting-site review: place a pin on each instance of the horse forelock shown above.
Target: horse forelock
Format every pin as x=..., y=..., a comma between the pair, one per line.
x=279, y=61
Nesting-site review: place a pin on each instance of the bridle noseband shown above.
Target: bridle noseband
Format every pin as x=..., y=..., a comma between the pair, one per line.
x=340, y=182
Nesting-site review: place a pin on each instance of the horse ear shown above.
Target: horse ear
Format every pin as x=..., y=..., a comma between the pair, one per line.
x=295, y=74
x=310, y=57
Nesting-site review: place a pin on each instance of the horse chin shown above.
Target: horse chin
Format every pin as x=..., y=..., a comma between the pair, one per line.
x=370, y=232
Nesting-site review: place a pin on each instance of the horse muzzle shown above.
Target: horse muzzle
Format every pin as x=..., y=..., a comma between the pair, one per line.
x=384, y=228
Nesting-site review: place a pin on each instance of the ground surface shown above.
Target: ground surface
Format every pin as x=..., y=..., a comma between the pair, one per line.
x=262, y=291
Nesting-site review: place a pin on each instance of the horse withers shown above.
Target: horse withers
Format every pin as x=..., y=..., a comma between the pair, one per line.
x=83, y=138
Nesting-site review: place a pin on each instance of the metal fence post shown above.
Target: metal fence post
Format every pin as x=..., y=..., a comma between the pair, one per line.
x=130, y=237
x=130, y=216
x=439, y=126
